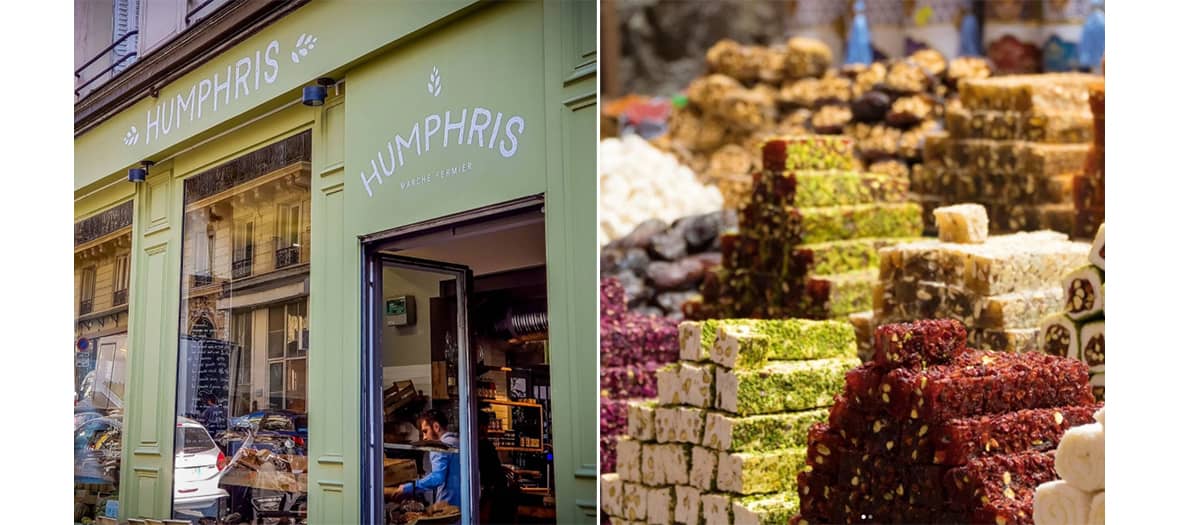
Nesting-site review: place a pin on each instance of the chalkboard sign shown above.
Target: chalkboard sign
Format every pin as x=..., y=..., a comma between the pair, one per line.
x=204, y=376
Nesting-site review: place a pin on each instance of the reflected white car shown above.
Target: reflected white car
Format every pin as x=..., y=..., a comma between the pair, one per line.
x=199, y=465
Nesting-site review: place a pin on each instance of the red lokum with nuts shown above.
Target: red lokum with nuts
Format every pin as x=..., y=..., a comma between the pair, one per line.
x=920, y=343
x=961, y=440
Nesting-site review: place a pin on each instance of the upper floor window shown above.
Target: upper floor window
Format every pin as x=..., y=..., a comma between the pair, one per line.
x=86, y=293
x=122, y=279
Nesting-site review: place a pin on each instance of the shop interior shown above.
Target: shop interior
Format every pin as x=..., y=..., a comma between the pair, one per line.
x=500, y=262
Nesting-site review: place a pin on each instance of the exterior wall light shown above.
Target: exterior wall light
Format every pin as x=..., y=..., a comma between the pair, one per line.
x=315, y=95
x=138, y=175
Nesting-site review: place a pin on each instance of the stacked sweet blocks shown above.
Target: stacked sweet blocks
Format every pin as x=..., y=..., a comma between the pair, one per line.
x=725, y=440
x=1000, y=287
x=1079, y=330
x=1089, y=187
x=633, y=347
x=1080, y=495
x=807, y=239
x=1015, y=144
x=930, y=431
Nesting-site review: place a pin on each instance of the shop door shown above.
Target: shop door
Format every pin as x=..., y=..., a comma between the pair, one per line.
x=417, y=362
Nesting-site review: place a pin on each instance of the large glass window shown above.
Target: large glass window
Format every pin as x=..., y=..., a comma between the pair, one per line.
x=102, y=271
x=237, y=299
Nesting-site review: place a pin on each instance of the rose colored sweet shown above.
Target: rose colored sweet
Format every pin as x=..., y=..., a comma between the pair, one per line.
x=621, y=382
x=634, y=339
x=614, y=417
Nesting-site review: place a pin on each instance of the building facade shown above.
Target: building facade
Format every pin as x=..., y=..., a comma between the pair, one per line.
x=209, y=323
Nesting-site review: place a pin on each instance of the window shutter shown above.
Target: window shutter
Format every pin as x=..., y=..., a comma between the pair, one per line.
x=126, y=20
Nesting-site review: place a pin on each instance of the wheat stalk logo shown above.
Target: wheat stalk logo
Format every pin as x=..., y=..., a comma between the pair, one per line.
x=434, y=86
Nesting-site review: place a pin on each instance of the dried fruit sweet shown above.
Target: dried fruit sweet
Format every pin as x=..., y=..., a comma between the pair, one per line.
x=921, y=343
x=1084, y=293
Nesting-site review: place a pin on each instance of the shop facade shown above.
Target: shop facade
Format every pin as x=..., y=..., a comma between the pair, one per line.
x=256, y=286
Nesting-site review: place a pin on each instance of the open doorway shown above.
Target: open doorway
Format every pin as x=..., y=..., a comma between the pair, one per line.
x=458, y=422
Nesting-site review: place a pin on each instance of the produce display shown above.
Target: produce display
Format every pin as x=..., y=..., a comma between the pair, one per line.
x=1000, y=287
x=1089, y=186
x=1019, y=146
x=1080, y=495
x=753, y=92
x=1078, y=329
x=662, y=266
x=637, y=182
x=807, y=239
x=931, y=431
x=727, y=437
x=633, y=347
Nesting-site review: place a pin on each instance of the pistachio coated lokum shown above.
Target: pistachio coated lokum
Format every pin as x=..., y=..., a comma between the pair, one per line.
x=1060, y=336
x=1093, y=344
x=716, y=509
x=832, y=223
x=774, y=509
x=1084, y=292
x=641, y=420
x=697, y=384
x=759, y=472
x=696, y=339
x=960, y=440
x=1098, y=249
x=961, y=223
x=760, y=433
x=814, y=188
x=661, y=506
x=630, y=459
x=635, y=501
x=842, y=256
x=703, y=473
x=920, y=343
x=612, y=494
x=807, y=152
x=1003, y=339
x=782, y=385
x=689, y=425
x=688, y=505
x=841, y=294
x=786, y=340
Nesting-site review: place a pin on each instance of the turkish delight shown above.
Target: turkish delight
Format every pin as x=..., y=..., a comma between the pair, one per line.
x=688, y=505
x=696, y=339
x=1048, y=92
x=665, y=424
x=996, y=269
x=1060, y=336
x=983, y=382
x=782, y=385
x=716, y=509
x=1016, y=309
x=629, y=381
x=809, y=188
x=808, y=152
x=960, y=440
x=703, y=472
x=785, y=339
x=842, y=256
x=1098, y=385
x=760, y=433
x=1084, y=292
x=614, y=416
x=669, y=387
x=1087, y=222
x=666, y=464
x=1088, y=191
x=920, y=343
x=1034, y=126
x=612, y=494
x=862, y=324
x=832, y=223
x=836, y=295
x=1014, y=340
x=824, y=446
x=635, y=501
x=661, y=506
x=775, y=509
x=641, y=420
x=1092, y=344
x=961, y=223
x=1098, y=249
x=996, y=479
x=759, y=472
x=698, y=384
x=630, y=459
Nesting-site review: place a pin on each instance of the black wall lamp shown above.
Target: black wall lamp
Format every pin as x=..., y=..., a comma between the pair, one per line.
x=315, y=95
x=140, y=174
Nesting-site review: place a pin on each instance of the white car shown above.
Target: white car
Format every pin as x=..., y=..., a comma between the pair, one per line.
x=198, y=469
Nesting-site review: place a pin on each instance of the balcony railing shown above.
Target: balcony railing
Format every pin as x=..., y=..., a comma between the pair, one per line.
x=285, y=257
x=200, y=280
x=85, y=306
x=118, y=61
x=120, y=297
x=243, y=267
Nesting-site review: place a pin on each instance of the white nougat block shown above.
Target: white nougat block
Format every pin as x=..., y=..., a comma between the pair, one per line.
x=704, y=469
x=961, y=223
x=612, y=494
x=654, y=469
x=629, y=456
x=660, y=506
x=688, y=505
x=690, y=425
x=691, y=347
x=669, y=385
x=715, y=509
x=677, y=461
x=641, y=420
x=698, y=384
x=635, y=502
x=667, y=419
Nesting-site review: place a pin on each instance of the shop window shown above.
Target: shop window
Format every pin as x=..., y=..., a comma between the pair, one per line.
x=122, y=279
x=86, y=294
x=237, y=392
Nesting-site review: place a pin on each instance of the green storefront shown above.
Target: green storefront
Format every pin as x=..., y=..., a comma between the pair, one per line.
x=442, y=162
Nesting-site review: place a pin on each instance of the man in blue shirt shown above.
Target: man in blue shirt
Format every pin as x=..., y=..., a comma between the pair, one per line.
x=444, y=476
